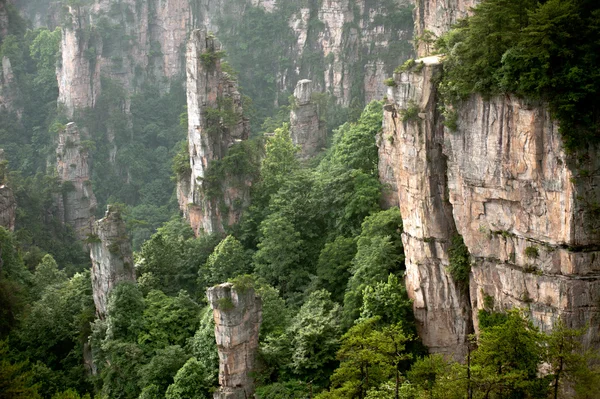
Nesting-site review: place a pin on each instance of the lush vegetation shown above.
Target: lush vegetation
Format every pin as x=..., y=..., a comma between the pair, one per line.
x=540, y=50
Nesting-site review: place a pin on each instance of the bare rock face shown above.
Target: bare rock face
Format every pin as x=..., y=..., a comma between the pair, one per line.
x=238, y=315
x=411, y=159
x=526, y=213
x=8, y=204
x=77, y=202
x=78, y=73
x=112, y=258
x=502, y=180
x=215, y=123
x=436, y=17
x=306, y=128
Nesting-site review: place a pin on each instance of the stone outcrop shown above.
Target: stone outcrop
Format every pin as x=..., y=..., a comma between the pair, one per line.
x=112, y=257
x=8, y=204
x=411, y=159
x=78, y=73
x=77, y=202
x=435, y=17
x=346, y=47
x=527, y=212
x=215, y=123
x=306, y=129
x=238, y=315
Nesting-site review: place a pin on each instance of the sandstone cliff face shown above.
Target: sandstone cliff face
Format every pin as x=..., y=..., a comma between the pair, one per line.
x=112, y=258
x=8, y=204
x=9, y=90
x=215, y=123
x=437, y=16
x=306, y=129
x=238, y=315
x=503, y=182
x=77, y=202
x=411, y=159
x=78, y=73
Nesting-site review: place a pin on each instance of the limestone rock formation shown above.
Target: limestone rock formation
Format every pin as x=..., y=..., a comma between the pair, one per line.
x=435, y=17
x=77, y=202
x=503, y=182
x=8, y=204
x=112, y=257
x=306, y=128
x=78, y=73
x=238, y=315
x=411, y=151
x=215, y=123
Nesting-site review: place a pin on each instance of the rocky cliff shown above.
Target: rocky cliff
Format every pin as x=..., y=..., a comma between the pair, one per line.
x=8, y=204
x=435, y=17
x=306, y=129
x=238, y=315
x=77, y=203
x=215, y=123
x=527, y=212
x=346, y=47
x=112, y=257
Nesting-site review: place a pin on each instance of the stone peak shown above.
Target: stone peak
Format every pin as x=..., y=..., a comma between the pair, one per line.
x=303, y=91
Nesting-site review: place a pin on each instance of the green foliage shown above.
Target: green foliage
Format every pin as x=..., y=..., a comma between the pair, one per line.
x=388, y=301
x=410, y=113
x=15, y=381
x=210, y=57
x=228, y=260
x=333, y=267
x=279, y=261
x=192, y=381
x=292, y=389
x=369, y=356
x=390, y=82
x=125, y=311
x=314, y=337
x=203, y=346
x=168, y=320
x=532, y=252
x=163, y=367
x=538, y=50
x=460, y=262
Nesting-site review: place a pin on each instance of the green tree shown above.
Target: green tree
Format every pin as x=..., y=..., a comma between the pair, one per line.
x=313, y=336
x=228, y=260
x=280, y=261
x=333, y=266
x=163, y=367
x=15, y=381
x=192, y=381
x=168, y=320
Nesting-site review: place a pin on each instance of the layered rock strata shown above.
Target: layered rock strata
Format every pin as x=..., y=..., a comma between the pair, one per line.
x=215, y=123
x=238, y=315
x=502, y=180
x=112, y=257
x=8, y=203
x=435, y=17
x=77, y=201
x=306, y=129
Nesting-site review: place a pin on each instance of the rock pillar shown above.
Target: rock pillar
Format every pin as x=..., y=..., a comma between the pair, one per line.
x=306, y=129
x=238, y=315
x=112, y=257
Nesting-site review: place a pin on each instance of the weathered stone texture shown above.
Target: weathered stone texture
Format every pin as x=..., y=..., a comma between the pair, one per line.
x=306, y=129
x=437, y=17
x=8, y=203
x=210, y=91
x=112, y=258
x=77, y=201
x=238, y=315
x=411, y=160
x=78, y=73
x=502, y=180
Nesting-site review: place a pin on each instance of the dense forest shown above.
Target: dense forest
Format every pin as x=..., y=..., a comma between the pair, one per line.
x=315, y=242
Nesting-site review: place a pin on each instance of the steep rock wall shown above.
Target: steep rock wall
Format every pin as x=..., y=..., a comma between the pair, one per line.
x=411, y=159
x=238, y=315
x=112, y=258
x=77, y=202
x=437, y=17
x=306, y=129
x=8, y=203
x=525, y=210
x=215, y=123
